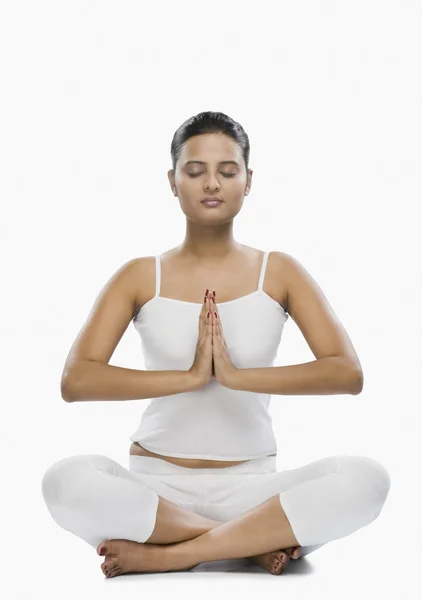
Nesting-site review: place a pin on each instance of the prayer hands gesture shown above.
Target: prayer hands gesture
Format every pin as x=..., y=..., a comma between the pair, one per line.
x=212, y=356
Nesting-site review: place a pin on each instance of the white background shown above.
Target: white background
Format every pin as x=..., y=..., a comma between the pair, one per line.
x=330, y=95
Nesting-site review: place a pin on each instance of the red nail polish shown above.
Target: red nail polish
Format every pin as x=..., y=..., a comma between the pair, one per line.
x=215, y=315
x=206, y=292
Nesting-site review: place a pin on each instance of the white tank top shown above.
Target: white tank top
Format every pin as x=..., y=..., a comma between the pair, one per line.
x=214, y=422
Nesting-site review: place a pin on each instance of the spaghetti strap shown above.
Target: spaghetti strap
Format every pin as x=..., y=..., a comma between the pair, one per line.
x=157, y=274
x=263, y=269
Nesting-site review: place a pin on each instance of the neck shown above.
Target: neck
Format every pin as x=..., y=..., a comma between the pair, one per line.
x=208, y=245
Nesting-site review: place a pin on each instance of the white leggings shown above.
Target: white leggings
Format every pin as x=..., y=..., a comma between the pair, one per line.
x=97, y=499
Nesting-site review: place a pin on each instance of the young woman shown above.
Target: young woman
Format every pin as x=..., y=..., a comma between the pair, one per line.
x=202, y=482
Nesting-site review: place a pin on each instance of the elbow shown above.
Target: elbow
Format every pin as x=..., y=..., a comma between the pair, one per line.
x=358, y=381
x=67, y=389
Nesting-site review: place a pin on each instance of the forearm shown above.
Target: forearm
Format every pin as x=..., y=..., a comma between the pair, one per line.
x=331, y=375
x=99, y=381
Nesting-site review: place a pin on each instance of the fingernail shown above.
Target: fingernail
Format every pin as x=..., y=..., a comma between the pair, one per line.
x=206, y=292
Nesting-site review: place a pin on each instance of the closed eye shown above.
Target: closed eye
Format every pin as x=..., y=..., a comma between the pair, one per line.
x=224, y=174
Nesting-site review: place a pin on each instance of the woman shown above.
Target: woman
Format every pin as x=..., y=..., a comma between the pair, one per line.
x=202, y=482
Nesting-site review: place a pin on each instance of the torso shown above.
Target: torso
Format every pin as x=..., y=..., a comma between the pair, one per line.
x=182, y=280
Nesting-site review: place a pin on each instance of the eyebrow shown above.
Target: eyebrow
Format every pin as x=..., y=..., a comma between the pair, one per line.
x=222, y=162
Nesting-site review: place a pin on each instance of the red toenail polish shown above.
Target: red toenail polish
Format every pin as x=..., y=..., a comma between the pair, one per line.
x=102, y=551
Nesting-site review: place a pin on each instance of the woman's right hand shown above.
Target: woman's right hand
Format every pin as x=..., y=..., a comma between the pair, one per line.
x=201, y=369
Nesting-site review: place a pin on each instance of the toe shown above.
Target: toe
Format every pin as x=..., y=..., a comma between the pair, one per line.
x=284, y=556
x=109, y=572
x=278, y=566
x=115, y=571
x=110, y=547
x=102, y=548
x=110, y=562
x=281, y=560
x=107, y=547
x=280, y=555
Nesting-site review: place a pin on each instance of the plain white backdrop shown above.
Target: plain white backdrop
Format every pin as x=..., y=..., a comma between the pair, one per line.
x=330, y=95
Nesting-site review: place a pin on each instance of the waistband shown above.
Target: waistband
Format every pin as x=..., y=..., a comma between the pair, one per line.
x=155, y=466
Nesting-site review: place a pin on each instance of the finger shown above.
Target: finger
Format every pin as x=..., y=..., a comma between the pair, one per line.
x=220, y=329
x=203, y=317
x=215, y=310
x=203, y=309
x=212, y=318
x=206, y=302
x=217, y=337
x=216, y=321
x=214, y=297
x=213, y=323
x=209, y=318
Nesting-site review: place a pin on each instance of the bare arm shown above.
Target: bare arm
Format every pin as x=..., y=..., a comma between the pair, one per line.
x=329, y=375
x=87, y=374
x=99, y=381
x=336, y=370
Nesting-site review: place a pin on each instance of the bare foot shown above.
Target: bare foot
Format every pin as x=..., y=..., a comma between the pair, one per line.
x=124, y=556
x=276, y=561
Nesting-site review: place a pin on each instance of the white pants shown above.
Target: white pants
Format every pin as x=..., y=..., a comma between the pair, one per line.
x=97, y=499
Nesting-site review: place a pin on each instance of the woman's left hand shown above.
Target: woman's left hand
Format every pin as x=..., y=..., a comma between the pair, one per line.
x=224, y=370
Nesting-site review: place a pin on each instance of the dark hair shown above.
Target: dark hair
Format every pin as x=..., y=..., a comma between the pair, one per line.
x=209, y=122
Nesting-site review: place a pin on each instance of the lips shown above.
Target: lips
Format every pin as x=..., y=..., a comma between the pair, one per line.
x=214, y=199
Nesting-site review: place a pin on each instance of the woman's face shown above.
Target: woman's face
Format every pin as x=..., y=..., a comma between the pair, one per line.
x=210, y=165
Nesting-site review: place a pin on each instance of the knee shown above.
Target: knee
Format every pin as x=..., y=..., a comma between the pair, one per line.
x=369, y=480
x=65, y=479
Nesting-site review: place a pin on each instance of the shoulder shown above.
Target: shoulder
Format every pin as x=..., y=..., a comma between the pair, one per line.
x=277, y=268
x=139, y=264
x=285, y=269
x=286, y=262
x=132, y=268
x=301, y=286
x=140, y=276
x=275, y=281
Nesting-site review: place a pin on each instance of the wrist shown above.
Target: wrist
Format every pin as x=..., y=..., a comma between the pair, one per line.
x=235, y=378
x=193, y=380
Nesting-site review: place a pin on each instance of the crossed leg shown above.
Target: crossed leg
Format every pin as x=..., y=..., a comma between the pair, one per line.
x=175, y=524
x=97, y=499
x=93, y=496
x=260, y=534
x=329, y=499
